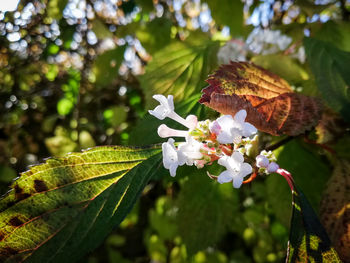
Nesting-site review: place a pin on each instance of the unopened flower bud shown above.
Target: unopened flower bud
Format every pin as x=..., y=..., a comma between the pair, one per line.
x=164, y=132
x=272, y=167
x=262, y=161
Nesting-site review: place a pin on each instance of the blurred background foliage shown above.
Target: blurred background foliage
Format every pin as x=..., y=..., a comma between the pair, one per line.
x=80, y=73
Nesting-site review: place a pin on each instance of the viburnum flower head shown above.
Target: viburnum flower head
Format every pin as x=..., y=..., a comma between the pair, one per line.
x=225, y=140
x=237, y=169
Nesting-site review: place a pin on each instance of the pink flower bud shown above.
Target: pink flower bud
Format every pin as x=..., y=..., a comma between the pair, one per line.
x=272, y=167
x=215, y=127
x=164, y=131
x=262, y=161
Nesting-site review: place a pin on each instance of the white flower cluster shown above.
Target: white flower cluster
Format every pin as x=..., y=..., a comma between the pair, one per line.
x=206, y=142
x=266, y=41
x=233, y=50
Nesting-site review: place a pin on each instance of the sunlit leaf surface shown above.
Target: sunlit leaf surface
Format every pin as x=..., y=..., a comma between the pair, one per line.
x=59, y=210
x=179, y=69
x=271, y=104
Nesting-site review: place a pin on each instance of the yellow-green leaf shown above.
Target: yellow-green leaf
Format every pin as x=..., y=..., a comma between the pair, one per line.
x=179, y=69
x=60, y=210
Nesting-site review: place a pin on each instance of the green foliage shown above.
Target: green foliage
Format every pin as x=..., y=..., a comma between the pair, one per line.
x=155, y=34
x=180, y=69
x=107, y=64
x=312, y=177
x=205, y=214
x=63, y=90
x=229, y=13
x=69, y=204
x=308, y=239
x=283, y=66
x=330, y=67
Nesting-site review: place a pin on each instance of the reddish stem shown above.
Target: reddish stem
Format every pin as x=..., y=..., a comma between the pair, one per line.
x=323, y=146
x=288, y=176
x=251, y=178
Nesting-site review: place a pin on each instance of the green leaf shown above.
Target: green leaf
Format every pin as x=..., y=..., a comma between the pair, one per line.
x=332, y=72
x=284, y=66
x=292, y=156
x=60, y=210
x=308, y=241
x=206, y=209
x=180, y=69
x=155, y=34
x=338, y=33
x=228, y=12
x=107, y=65
x=295, y=155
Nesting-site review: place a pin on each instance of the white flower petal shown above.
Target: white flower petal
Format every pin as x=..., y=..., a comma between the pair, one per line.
x=159, y=112
x=172, y=169
x=169, y=153
x=171, y=102
x=237, y=157
x=225, y=177
x=224, y=137
x=166, y=102
x=190, y=150
x=191, y=121
x=225, y=120
x=240, y=116
x=236, y=135
x=248, y=129
x=165, y=108
x=237, y=181
x=224, y=161
x=246, y=169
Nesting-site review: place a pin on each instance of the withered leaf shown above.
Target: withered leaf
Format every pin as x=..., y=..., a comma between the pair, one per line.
x=335, y=209
x=271, y=104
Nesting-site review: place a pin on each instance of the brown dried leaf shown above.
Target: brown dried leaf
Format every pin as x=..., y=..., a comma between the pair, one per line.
x=271, y=105
x=335, y=209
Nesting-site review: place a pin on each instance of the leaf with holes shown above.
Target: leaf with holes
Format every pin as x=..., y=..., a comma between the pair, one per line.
x=271, y=104
x=60, y=210
x=335, y=209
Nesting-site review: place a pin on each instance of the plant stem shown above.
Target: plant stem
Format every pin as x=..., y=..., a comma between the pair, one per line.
x=279, y=144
